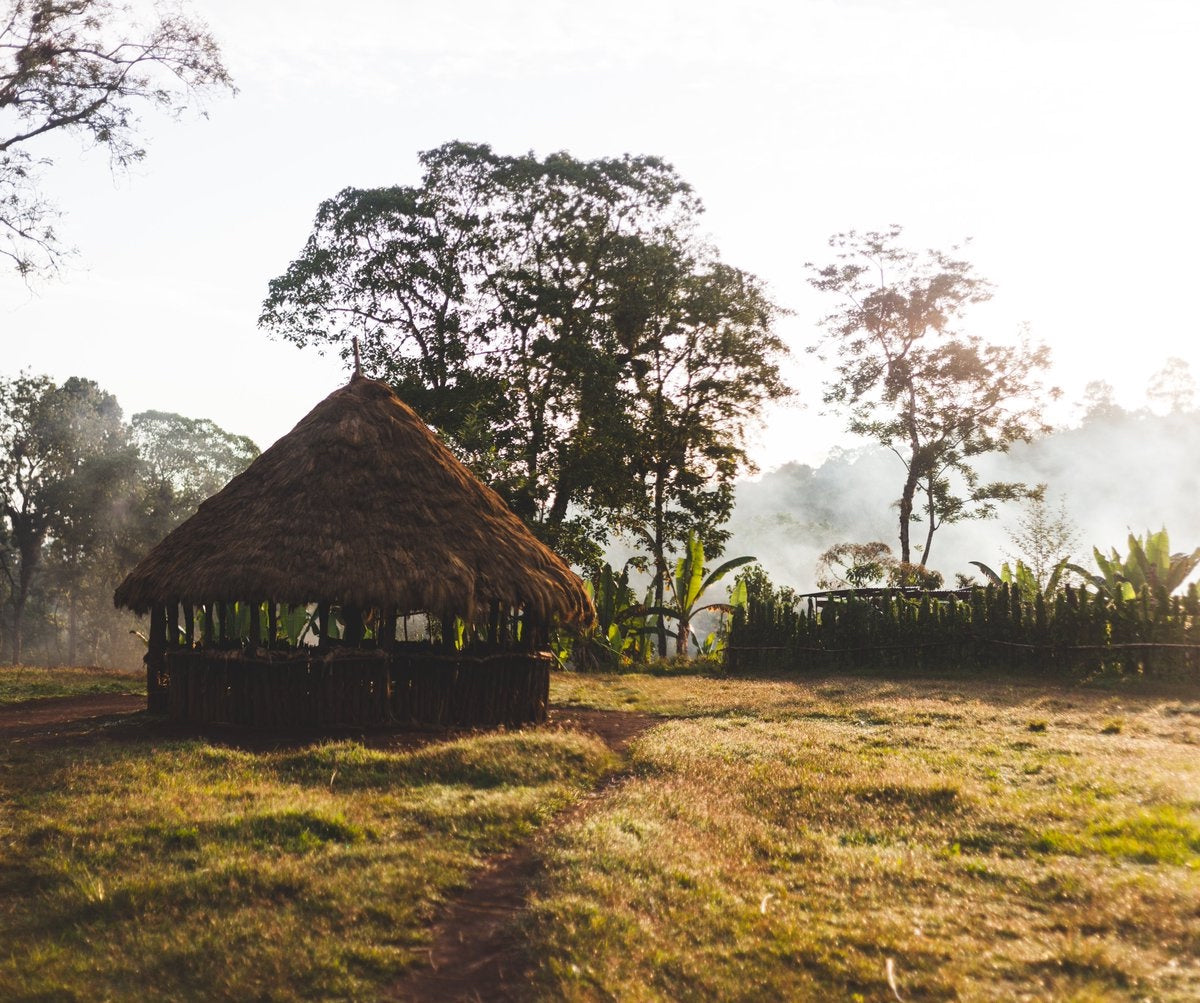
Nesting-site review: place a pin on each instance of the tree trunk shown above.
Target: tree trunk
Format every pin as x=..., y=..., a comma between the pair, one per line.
x=933, y=524
x=18, y=615
x=660, y=557
x=72, y=629
x=906, y=510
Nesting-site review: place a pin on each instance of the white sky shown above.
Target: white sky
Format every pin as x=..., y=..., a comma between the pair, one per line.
x=1059, y=134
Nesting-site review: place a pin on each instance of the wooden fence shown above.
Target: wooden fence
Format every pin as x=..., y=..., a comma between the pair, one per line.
x=1071, y=635
x=285, y=690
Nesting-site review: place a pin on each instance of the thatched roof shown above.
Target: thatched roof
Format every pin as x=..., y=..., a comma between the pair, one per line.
x=362, y=504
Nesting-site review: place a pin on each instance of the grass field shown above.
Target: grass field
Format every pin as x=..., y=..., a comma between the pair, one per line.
x=832, y=839
x=32, y=682
x=859, y=839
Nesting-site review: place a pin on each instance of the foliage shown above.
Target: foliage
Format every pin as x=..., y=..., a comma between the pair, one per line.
x=904, y=575
x=1068, y=635
x=558, y=321
x=1150, y=565
x=181, y=462
x=64, y=460
x=854, y=565
x=622, y=631
x=909, y=378
x=1173, y=387
x=691, y=582
x=84, y=67
x=1023, y=578
x=1044, y=540
x=83, y=496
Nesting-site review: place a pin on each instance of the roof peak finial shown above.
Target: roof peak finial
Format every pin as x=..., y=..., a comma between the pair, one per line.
x=357, y=361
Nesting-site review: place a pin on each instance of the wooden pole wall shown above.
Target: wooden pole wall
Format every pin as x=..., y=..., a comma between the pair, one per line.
x=156, y=694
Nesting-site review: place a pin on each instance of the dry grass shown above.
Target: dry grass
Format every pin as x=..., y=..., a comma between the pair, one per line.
x=789, y=838
x=27, y=682
x=183, y=870
x=777, y=839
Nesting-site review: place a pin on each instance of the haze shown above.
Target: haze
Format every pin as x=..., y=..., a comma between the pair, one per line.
x=1056, y=134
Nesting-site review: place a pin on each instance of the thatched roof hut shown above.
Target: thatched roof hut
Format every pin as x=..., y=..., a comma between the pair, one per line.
x=359, y=512
x=359, y=504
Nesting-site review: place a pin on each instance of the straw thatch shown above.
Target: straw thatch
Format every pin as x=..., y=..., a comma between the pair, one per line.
x=360, y=504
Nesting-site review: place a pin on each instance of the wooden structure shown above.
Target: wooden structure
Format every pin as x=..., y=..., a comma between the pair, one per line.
x=357, y=520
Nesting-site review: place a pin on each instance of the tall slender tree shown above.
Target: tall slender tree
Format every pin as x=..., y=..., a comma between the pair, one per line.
x=910, y=378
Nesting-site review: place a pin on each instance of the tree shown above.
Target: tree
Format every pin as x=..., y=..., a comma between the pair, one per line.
x=1173, y=387
x=1100, y=402
x=529, y=309
x=854, y=565
x=85, y=67
x=907, y=377
x=702, y=361
x=1044, y=539
x=63, y=454
x=691, y=581
x=181, y=462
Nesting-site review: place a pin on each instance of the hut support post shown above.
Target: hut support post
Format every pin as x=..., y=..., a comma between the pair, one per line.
x=210, y=630
x=255, y=624
x=156, y=691
x=387, y=631
x=272, y=623
x=189, y=625
x=354, y=629
x=323, y=623
x=493, y=627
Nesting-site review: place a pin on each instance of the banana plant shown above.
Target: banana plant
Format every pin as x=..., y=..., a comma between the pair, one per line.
x=1150, y=564
x=691, y=581
x=623, y=624
x=1024, y=579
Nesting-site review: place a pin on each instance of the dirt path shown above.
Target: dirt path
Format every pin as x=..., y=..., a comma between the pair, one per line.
x=51, y=718
x=477, y=952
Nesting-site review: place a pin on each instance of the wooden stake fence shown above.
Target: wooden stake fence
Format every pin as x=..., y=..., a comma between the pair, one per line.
x=285, y=690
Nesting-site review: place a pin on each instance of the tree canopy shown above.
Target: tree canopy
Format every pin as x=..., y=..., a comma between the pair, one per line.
x=908, y=377
x=63, y=455
x=85, y=67
x=560, y=323
x=83, y=496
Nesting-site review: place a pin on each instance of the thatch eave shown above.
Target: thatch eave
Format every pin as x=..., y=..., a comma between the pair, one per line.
x=360, y=503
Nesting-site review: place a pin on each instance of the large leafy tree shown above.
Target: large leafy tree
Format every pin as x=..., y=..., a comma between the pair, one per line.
x=529, y=309
x=85, y=67
x=181, y=462
x=83, y=496
x=701, y=361
x=64, y=456
x=908, y=376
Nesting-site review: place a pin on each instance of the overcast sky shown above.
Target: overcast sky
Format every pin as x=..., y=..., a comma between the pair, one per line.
x=1060, y=136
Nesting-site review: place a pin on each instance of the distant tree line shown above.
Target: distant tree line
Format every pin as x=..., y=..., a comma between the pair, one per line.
x=83, y=495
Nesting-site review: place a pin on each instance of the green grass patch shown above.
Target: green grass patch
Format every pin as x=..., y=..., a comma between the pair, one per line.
x=25, y=682
x=1165, y=834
